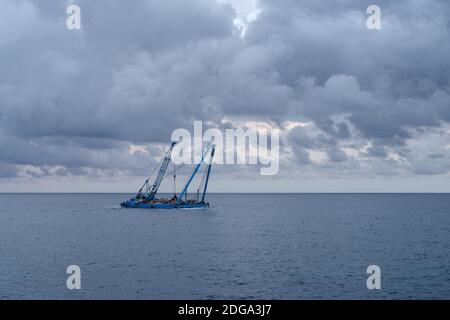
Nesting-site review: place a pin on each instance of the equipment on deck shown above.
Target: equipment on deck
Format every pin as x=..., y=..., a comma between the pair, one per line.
x=146, y=196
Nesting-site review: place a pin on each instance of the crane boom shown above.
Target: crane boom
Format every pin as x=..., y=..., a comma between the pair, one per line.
x=208, y=173
x=162, y=171
x=151, y=190
x=204, y=154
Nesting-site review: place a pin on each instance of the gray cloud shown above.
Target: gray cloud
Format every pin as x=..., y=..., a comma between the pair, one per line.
x=71, y=102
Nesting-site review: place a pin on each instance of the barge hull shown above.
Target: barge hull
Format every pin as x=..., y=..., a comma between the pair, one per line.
x=129, y=205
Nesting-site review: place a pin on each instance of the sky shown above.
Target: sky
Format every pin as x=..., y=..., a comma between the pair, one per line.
x=358, y=110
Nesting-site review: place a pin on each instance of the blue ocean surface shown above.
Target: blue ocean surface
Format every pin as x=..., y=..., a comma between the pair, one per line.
x=245, y=246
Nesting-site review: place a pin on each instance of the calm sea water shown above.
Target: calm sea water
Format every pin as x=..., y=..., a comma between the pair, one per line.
x=290, y=246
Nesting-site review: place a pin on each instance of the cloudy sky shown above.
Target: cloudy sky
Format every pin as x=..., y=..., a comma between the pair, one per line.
x=358, y=109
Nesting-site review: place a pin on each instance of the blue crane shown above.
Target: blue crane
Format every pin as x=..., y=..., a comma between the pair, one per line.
x=204, y=154
x=151, y=190
x=146, y=197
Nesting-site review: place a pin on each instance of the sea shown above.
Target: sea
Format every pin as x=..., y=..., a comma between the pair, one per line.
x=245, y=246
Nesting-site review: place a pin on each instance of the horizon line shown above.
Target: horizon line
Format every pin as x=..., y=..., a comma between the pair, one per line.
x=211, y=193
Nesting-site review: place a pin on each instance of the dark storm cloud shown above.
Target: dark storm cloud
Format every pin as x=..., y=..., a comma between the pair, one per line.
x=136, y=71
x=388, y=85
x=131, y=74
x=117, y=78
x=385, y=81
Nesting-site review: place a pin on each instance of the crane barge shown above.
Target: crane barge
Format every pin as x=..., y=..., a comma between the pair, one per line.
x=146, y=196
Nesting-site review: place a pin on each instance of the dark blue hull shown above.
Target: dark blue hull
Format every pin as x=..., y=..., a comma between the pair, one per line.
x=158, y=205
